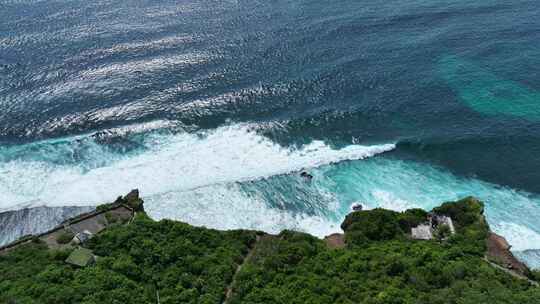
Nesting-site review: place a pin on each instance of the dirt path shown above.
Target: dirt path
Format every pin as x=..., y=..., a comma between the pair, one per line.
x=510, y=272
x=229, y=292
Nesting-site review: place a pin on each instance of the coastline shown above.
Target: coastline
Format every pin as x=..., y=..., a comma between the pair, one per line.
x=498, y=250
x=118, y=253
x=53, y=218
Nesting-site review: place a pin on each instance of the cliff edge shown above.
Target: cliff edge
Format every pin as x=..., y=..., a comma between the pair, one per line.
x=375, y=260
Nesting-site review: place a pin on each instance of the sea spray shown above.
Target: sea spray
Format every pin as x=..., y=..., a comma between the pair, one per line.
x=165, y=162
x=232, y=177
x=318, y=207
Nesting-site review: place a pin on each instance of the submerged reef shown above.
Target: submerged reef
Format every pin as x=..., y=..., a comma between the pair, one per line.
x=487, y=93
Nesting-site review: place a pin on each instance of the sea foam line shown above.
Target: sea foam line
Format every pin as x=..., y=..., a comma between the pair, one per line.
x=178, y=162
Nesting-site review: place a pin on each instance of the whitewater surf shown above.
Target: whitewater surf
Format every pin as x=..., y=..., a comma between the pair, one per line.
x=233, y=177
x=212, y=109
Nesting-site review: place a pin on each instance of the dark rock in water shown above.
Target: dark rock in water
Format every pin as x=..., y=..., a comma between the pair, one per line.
x=15, y=224
x=131, y=199
x=357, y=207
x=306, y=175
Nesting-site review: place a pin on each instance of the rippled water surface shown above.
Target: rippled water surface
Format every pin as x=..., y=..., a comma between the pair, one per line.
x=211, y=108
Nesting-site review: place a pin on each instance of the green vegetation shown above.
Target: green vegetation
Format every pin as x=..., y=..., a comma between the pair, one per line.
x=380, y=225
x=185, y=264
x=442, y=232
x=471, y=226
x=113, y=219
x=381, y=265
x=105, y=207
x=535, y=275
x=81, y=257
x=65, y=237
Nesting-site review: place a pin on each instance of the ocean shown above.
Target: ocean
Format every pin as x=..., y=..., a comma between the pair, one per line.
x=213, y=108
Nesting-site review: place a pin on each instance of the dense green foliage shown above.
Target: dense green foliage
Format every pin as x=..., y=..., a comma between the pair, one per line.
x=65, y=237
x=535, y=275
x=380, y=224
x=372, y=225
x=186, y=264
x=471, y=226
x=300, y=269
x=380, y=264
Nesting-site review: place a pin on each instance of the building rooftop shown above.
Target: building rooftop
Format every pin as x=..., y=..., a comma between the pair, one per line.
x=422, y=232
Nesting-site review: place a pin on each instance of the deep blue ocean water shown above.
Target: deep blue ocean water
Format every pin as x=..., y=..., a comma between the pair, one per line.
x=211, y=108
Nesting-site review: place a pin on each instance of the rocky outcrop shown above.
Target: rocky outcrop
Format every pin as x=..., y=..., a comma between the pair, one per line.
x=132, y=200
x=336, y=240
x=498, y=251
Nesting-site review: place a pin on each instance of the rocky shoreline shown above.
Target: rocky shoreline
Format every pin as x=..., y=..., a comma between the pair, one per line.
x=118, y=254
x=41, y=220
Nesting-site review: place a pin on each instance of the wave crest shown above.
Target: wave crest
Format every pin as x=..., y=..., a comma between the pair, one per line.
x=167, y=162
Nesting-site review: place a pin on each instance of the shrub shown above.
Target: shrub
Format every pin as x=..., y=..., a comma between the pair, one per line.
x=463, y=212
x=371, y=225
x=112, y=218
x=442, y=232
x=535, y=275
x=411, y=218
x=104, y=207
x=59, y=255
x=65, y=237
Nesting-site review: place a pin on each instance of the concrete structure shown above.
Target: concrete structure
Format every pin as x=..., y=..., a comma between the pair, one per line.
x=88, y=223
x=426, y=231
x=437, y=220
x=422, y=232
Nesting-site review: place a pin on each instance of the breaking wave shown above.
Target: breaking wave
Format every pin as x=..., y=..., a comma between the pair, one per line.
x=81, y=171
x=232, y=177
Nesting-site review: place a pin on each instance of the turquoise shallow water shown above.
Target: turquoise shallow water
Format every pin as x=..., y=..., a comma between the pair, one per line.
x=487, y=93
x=212, y=108
x=233, y=177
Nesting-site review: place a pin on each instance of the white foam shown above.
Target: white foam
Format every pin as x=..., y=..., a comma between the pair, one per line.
x=399, y=185
x=520, y=237
x=172, y=163
x=387, y=200
x=228, y=207
x=192, y=177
